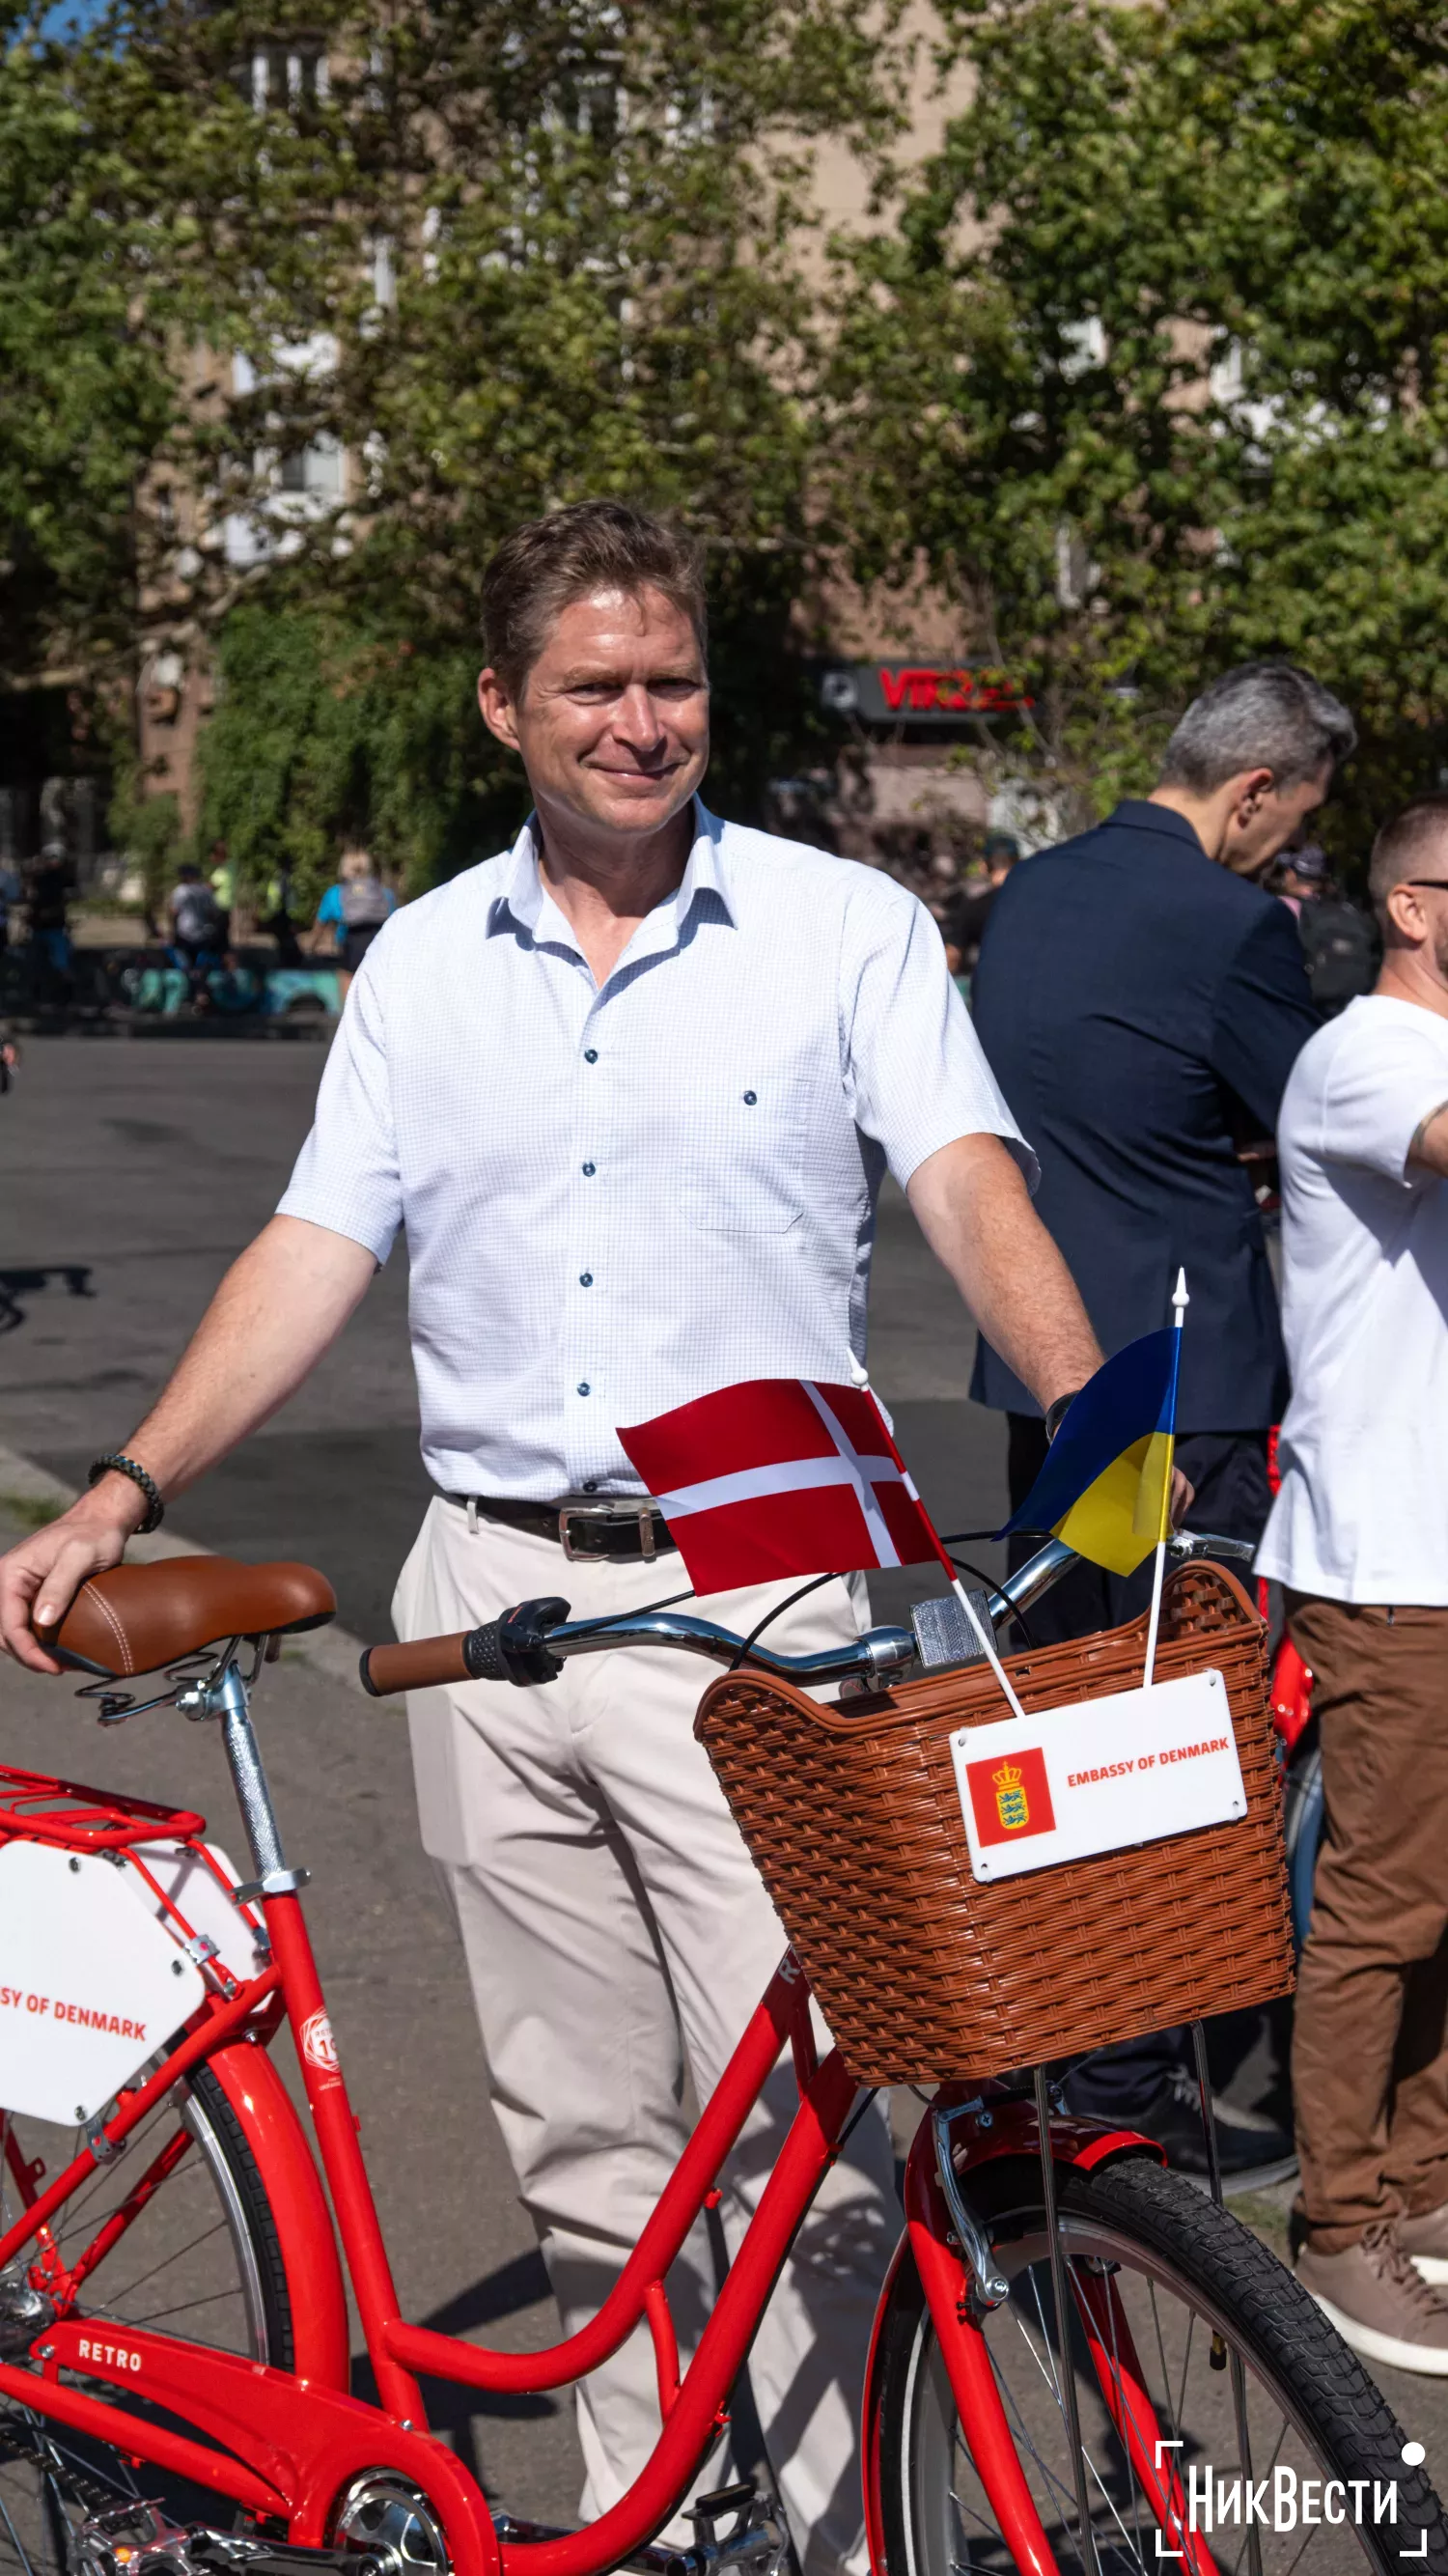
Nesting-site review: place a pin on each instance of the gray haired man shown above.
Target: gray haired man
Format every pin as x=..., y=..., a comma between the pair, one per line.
x=1142, y=1002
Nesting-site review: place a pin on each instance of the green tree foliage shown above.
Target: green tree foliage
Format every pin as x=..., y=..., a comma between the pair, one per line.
x=83, y=401
x=1151, y=366
x=491, y=260
x=324, y=735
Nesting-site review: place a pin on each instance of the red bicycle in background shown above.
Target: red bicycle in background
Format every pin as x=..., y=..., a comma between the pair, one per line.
x=1069, y=2343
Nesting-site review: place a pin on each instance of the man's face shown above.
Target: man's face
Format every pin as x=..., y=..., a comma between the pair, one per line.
x=613, y=720
x=1268, y=819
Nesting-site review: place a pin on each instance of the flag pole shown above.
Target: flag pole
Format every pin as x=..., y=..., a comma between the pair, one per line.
x=986, y=1643
x=1180, y=1302
x=980, y=1629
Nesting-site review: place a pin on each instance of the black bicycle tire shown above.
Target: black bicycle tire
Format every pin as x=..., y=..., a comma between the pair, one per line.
x=251, y=2191
x=1298, y=2352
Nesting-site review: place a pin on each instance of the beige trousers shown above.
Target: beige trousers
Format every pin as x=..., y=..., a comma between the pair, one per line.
x=616, y=1933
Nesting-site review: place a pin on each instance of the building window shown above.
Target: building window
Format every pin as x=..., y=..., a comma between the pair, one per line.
x=289, y=74
x=315, y=469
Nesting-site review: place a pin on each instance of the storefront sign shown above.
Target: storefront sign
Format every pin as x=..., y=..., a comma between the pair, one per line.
x=921, y=692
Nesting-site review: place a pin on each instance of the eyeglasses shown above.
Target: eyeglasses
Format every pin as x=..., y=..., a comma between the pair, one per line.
x=1440, y=882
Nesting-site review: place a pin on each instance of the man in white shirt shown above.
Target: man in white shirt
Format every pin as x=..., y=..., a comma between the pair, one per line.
x=1359, y=1536
x=631, y=1088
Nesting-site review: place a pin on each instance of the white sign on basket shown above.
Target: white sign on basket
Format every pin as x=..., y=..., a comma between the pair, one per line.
x=91, y=1985
x=1097, y=1776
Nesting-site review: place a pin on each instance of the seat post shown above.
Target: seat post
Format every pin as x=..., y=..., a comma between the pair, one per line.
x=230, y=1701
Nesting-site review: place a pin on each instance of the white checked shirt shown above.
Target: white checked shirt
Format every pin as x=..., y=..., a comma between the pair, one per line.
x=618, y=1199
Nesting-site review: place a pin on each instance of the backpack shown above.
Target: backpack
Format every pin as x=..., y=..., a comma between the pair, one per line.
x=197, y=915
x=1341, y=949
x=366, y=902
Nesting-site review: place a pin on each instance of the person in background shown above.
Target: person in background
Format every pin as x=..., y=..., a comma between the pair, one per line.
x=10, y=895
x=221, y=877
x=276, y=916
x=1340, y=943
x=355, y=909
x=49, y=887
x=964, y=924
x=197, y=926
x=1142, y=1002
x=1359, y=1539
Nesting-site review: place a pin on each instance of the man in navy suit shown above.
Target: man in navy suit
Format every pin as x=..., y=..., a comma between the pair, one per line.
x=1141, y=1002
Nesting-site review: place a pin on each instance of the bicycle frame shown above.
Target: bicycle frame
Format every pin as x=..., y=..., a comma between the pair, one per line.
x=283, y=2444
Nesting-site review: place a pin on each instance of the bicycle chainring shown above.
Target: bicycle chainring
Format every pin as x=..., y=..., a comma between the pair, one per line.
x=383, y=2517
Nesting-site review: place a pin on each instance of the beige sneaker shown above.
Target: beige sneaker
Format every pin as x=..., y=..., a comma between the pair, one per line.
x=1379, y=2303
x=1425, y=2241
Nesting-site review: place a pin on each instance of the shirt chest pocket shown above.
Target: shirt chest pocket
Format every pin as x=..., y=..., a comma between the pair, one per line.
x=741, y=1167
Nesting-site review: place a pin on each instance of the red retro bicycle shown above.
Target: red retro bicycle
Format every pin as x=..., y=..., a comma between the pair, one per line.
x=1079, y=2360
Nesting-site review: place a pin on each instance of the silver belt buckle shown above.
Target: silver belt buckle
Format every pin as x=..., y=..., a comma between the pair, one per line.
x=604, y=1512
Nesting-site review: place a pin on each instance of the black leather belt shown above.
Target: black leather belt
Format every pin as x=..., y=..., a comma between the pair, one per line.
x=587, y=1528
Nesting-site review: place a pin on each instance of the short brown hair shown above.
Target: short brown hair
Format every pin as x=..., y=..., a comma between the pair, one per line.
x=1403, y=845
x=591, y=545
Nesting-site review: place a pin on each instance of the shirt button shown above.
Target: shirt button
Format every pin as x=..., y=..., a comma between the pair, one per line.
x=590, y=1485
x=585, y=1279
x=750, y=1098
x=583, y=1386
x=590, y=1055
x=588, y=1170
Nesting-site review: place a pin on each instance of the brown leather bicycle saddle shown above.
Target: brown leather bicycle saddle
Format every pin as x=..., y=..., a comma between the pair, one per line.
x=139, y=1617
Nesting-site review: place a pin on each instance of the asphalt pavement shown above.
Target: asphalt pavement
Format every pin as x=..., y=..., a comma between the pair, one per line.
x=131, y=1173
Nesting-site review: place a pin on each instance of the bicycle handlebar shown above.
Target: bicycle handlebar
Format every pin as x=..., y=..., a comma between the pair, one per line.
x=528, y=1644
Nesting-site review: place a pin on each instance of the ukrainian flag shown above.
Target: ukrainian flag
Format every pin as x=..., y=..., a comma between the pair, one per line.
x=1106, y=1485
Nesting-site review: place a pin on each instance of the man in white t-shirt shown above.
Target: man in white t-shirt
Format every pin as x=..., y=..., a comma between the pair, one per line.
x=1359, y=1538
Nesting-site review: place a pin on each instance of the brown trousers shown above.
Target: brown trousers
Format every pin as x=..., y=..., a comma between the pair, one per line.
x=1370, y=2039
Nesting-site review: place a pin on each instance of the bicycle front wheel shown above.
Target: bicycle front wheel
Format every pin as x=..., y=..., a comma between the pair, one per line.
x=177, y=2233
x=1190, y=2346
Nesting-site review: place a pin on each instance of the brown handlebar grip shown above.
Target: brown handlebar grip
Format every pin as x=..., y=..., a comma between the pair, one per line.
x=423, y=1664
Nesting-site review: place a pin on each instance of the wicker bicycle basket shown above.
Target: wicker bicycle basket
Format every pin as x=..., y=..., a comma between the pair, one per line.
x=853, y=1817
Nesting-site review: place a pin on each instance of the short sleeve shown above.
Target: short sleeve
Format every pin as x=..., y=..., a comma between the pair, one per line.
x=915, y=1074
x=330, y=907
x=346, y=1175
x=1381, y=1084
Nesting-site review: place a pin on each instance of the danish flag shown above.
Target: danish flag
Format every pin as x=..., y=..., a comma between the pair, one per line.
x=780, y=1476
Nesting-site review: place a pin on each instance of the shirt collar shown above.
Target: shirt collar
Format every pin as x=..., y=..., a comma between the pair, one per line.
x=1138, y=814
x=523, y=900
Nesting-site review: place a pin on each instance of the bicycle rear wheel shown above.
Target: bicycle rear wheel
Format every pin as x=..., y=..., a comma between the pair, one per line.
x=1177, y=2291
x=200, y=2256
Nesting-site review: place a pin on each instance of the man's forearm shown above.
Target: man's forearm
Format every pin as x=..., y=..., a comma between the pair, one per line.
x=277, y=1310
x=974, y=1210
x=279, y=1307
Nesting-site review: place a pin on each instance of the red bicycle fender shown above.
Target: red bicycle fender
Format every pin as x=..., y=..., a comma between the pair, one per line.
x=870, y=2417
x=276, y=2138
x=1086, y=2144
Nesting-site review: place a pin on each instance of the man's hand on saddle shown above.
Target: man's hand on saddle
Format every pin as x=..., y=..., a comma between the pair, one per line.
x=40, y=1578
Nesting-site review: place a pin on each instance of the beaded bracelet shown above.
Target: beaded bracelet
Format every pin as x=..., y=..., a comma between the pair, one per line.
x=119, y=1465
